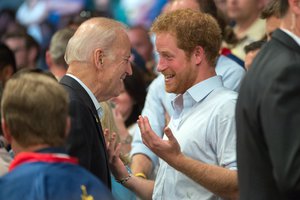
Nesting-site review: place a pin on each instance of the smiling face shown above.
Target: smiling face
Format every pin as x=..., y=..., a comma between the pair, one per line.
x=116, y=67
x=180, y=73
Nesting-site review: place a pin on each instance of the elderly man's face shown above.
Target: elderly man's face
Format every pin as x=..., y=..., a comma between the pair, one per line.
x=116, y=67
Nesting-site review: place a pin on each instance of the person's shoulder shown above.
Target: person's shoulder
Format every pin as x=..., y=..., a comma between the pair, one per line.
x=224, y=94
x=229, y=65
x=224, y=99
x=80, y=183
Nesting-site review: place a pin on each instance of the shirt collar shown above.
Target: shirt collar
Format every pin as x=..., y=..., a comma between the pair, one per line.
x=196, y=93
x=92, y=96
x=292, y=35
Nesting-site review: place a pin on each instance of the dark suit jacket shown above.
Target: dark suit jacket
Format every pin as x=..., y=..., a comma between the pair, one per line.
x=268, y=123
x=86, y=140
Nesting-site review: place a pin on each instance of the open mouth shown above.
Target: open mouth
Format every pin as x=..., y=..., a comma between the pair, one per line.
x=169, y=77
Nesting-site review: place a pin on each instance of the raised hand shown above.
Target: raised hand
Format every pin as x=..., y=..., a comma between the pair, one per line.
x=116, y=165
x=168, y=150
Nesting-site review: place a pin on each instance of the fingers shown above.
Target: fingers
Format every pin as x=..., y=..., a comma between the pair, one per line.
x=113, y=149
x=144, y=124
x=169, y=134
x=106, y=137
x=140, y=122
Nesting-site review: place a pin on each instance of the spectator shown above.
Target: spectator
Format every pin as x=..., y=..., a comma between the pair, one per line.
x=7, y=69
x=25, y=48
x=251, y=51
x=128, y=106
x=55, y=55
x=141, y=42
x=272, y=16
x=108, y=122
x=248, y=26
x=7, y=65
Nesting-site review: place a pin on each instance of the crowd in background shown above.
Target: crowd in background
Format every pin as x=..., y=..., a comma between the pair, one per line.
x=195, y=112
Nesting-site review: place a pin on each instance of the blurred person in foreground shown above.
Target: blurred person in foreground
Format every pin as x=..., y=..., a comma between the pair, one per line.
x=36, y=126
x=198, y=150
x=98, y=58
x=268, y=115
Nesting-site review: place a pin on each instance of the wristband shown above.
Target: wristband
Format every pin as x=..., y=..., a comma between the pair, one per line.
x=142, y=175
x=124, y=180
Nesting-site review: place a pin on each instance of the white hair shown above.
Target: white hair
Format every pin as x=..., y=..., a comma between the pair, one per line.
x=95, y=33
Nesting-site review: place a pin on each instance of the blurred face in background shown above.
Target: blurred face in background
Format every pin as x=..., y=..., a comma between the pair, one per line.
x=241, y=10
x=17, y=45
x=140, y=41
x=221, y=5
x=183, y=4
x=123, y=103
x=249, y=58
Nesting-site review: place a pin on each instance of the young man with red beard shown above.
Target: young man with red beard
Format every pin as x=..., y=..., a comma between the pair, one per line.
x=197, y=154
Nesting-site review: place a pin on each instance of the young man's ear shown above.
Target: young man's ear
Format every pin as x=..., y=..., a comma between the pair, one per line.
x=6, y=131
x=199, y=54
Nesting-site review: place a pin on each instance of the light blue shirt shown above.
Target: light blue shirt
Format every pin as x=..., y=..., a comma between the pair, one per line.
x=158, y=101
x=91, y=95
x=204, y=126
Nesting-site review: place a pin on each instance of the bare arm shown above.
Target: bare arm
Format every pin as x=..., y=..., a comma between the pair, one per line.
x=141, y=164
x=219, y=180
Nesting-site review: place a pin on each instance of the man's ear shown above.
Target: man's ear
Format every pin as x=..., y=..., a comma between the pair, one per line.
x=198, y=54
x=98, y=58
x=6, y=131
x=48, y=58
x=68, y=126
